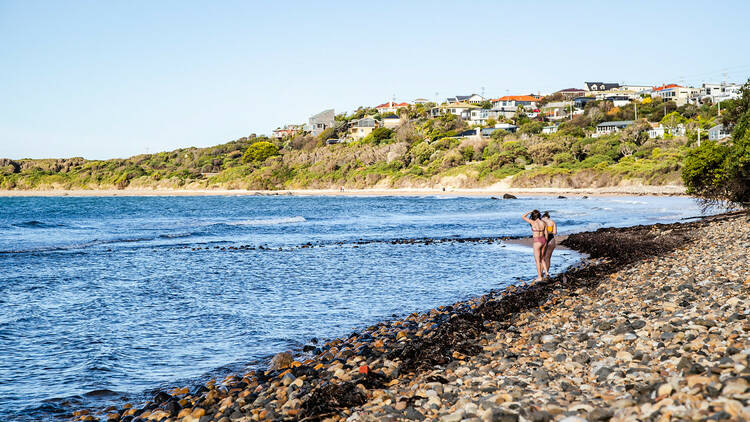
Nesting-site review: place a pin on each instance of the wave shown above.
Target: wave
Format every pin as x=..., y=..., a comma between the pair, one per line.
x=268, y=221
x=34, y=224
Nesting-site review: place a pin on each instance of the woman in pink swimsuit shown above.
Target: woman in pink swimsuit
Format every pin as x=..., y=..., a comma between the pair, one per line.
x=538, y=231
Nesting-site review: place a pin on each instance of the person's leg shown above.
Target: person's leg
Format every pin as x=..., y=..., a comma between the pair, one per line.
x=548, y=253
x=538, y=259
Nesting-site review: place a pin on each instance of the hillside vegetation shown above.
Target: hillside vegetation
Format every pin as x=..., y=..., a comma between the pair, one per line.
x=422, y=152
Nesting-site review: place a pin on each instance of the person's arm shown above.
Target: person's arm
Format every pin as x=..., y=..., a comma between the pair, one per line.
x=525, y=218
x=554, y=229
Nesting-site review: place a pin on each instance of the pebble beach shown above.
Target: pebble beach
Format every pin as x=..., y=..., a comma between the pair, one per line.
x=652, y=326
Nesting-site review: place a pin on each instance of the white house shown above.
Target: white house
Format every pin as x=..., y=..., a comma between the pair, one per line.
x=549, y=129
x=471, y=99
x=672, y=92
x=508, y=105
x=421, y=101
x=287, y=131
x=611, y=127
x=719, y=92
x=718, y=133
x=640, y=89
x=658, y=130
x=462, y=110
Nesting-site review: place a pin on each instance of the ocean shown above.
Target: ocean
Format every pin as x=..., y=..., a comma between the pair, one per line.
x=104, y=299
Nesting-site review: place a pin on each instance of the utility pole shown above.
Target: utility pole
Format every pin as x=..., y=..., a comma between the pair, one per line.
x=699, y=136
x=635, y=105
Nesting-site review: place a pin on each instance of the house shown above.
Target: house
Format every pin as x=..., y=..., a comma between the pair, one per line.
x=611, y=127
x=421, y=101
x=718, y=133
x=471, y=99
x=570, y=93
x=641, y=89
x=719, y=92
x=557, y=110
x=391, y=122
x=462, y=110
x=681, y=95
x=549, y=129
x=508, y=106
x=390, y=107
x=360, y=128
x=600, y=86
x=658, y=130
x=618, y=100
x=320, y=122
x=506, y=127
x=287, y=131
x=581, y=102
x=479, y=116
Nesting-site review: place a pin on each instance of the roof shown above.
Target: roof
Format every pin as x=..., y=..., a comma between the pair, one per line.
x=598, y=85
x=572, y=90
x=459, y=105
x=391, y=104
x=659, y=88
x=517, y=98
x=324, y=114
x=616, y=123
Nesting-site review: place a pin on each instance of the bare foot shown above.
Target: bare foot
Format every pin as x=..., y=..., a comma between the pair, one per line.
x=538, y=279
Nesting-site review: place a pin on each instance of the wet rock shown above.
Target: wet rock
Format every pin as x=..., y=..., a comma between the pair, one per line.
x=280, y=361
x=509, y=196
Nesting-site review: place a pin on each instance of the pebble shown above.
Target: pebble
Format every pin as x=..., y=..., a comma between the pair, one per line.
x=662, y=338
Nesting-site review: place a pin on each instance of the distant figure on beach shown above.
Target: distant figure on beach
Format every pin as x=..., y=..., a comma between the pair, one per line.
x=539, y=233
x=551, y=242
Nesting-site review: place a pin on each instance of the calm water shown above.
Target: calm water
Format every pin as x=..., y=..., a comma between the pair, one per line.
x=103, y=299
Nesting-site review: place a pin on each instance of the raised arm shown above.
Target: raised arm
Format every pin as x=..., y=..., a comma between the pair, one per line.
x=554, y=228
x=526, y=218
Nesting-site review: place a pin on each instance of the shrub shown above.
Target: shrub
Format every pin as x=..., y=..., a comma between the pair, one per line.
x=422, y=152
x=260, y=152
x=542, y=153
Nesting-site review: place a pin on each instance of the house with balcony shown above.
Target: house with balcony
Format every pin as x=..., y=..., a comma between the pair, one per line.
x=570, y=93
x=681, y=95
x=557, y=110
x=508, y=106
x=718, y=92
x=360, y=128
x=606, y=128
x=320, y=122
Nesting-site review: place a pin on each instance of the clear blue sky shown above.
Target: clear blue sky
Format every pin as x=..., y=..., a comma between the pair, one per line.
x=105, y=79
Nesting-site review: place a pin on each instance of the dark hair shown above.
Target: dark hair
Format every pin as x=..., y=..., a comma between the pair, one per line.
x=546, y=214
x=535, y=215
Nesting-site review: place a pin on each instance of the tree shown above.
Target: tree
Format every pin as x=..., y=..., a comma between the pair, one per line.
x=717, y=173
x=486, y=104
x=673, y=119
x=260, y=152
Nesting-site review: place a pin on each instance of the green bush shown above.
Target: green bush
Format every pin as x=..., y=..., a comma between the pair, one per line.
x=260, y=152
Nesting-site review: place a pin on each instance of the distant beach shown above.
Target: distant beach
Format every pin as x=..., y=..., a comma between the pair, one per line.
x=667, y=190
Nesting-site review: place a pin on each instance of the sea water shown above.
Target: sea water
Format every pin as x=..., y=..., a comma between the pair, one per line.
x=103, y=299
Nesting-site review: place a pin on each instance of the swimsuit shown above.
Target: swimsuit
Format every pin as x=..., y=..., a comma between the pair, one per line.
x=551, y=236
x=541, y=240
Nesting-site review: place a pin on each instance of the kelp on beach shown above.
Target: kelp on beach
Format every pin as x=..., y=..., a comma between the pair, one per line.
x=346, y=373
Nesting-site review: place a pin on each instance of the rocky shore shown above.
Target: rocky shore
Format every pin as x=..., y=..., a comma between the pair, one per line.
x=652, y=327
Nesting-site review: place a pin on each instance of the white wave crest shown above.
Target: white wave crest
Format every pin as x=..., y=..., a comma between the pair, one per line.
x=269, y=221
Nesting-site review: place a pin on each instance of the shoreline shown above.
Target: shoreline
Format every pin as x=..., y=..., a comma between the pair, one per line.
x=495, y=191
x=357, y=377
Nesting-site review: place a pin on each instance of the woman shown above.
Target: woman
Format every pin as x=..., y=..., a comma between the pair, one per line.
x=551, y=242
x=538, y=229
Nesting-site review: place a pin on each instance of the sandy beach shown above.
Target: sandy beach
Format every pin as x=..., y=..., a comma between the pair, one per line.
x=497, y=191
x=653, y=326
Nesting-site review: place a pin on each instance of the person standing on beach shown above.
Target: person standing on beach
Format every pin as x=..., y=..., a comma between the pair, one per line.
x=538, y=232
x=551, y=242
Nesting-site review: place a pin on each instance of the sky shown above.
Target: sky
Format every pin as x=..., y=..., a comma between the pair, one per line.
x=112, y=79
